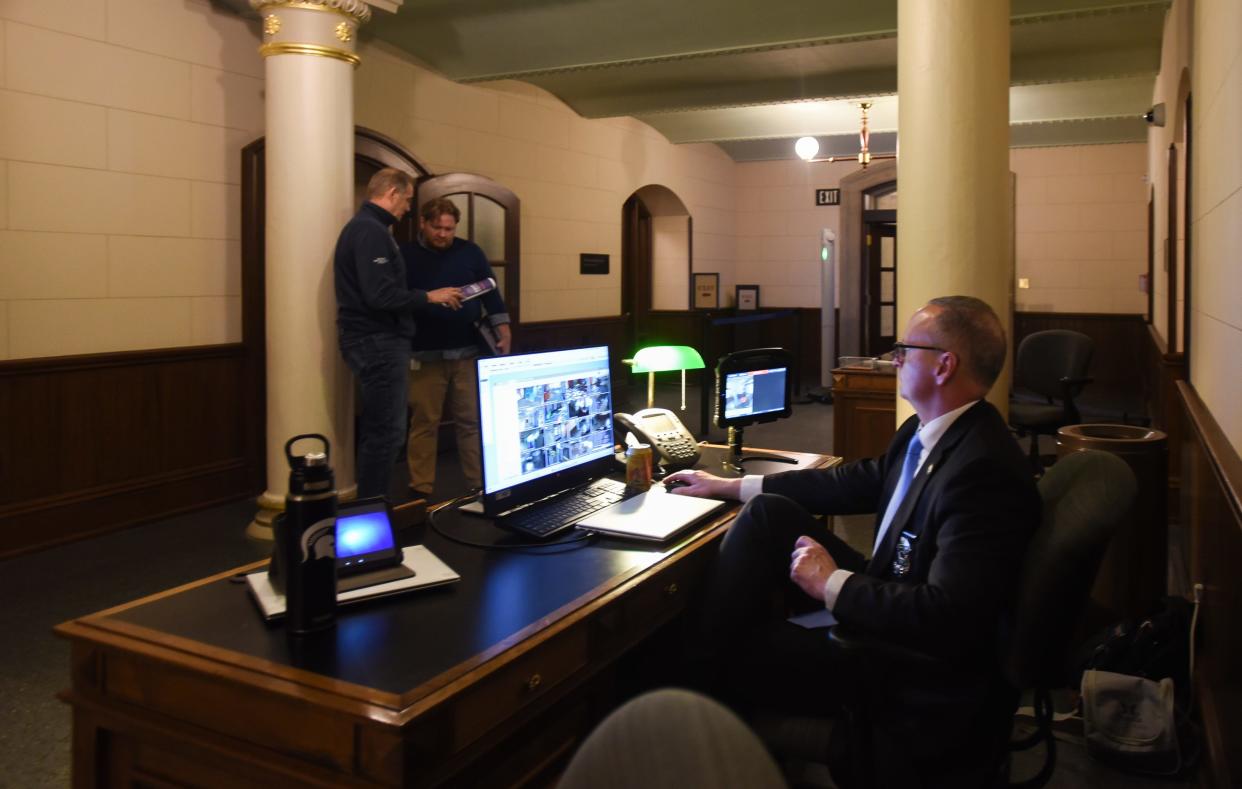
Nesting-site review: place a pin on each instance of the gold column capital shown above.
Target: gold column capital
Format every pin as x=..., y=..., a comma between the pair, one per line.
x=323, y=28
x=357, y=9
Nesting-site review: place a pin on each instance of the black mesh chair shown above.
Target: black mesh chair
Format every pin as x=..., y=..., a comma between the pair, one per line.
x=1050, y=370
x=1085, y=496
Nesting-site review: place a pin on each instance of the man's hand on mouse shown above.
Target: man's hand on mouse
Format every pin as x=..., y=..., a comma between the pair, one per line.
x=700, y=483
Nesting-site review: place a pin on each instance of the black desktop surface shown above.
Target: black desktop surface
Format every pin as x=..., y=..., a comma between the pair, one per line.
x=396, y=644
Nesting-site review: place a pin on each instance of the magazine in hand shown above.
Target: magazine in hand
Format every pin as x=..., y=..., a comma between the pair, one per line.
x=476, y=289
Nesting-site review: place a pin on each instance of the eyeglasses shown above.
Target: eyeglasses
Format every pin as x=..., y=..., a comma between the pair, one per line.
x=900, y=348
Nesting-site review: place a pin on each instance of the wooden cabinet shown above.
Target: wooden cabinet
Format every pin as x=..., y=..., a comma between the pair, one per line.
x=864, y=413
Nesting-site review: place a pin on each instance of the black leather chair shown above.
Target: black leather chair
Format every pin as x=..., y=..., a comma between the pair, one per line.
x=1050, y=370
x=1085, y=496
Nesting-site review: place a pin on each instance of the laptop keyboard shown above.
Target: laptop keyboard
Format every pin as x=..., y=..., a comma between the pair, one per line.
x=544, y=519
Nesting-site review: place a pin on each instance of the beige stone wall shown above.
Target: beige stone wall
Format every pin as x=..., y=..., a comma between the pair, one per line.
x=779, y=226
x=670, y=262
x=121, y=123
x=1216, y=213
x=571, y=174
x=1081, y=228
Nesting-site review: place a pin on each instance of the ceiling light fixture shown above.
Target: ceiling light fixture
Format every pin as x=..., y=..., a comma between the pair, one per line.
x=807, y=147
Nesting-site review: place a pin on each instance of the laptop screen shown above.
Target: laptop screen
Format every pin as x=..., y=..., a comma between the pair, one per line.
x=542, y=415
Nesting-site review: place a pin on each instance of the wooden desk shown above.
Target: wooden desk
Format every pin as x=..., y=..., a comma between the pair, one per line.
x=489, y=682
x=864, y=413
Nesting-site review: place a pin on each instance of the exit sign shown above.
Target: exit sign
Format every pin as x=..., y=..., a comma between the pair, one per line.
x=827, y=197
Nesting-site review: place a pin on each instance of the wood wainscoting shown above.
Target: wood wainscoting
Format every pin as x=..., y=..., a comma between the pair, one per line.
x=1119, y=366
x=89, y=444
x=577, y=333
x=712, y=333
x=1211, y=508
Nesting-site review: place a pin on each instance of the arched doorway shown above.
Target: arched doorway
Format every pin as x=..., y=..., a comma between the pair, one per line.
x=860, y=191
x=656, y=259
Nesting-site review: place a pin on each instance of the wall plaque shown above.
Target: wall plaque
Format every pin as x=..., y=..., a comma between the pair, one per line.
x=592, y=263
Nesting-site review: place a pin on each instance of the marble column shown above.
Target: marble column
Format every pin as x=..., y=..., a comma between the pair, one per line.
x=308, y=47
x=954, y=200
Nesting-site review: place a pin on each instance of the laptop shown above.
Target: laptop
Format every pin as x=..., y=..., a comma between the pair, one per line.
x=654, y=516
x=545, y=421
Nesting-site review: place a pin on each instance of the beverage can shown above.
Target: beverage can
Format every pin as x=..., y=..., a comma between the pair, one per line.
x=638, y=467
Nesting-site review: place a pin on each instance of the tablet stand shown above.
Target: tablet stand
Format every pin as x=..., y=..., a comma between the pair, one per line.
x=734, y=460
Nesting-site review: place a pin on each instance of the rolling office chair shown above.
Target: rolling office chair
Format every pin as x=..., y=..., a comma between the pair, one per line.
x=1085, y=496
x=1050, y=365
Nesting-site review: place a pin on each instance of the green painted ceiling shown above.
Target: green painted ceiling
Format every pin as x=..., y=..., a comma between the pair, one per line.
x=752, y=76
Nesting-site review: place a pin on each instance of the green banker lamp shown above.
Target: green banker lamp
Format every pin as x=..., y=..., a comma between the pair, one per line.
x=663, y=358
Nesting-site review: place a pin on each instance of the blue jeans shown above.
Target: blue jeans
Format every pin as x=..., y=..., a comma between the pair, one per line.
x=381, y=363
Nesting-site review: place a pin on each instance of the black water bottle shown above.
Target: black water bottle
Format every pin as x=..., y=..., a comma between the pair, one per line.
x=307, y=539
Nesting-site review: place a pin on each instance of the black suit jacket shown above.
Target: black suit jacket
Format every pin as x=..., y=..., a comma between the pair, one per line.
x=969, y=512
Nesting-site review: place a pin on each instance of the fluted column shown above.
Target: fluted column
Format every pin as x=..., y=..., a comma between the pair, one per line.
x=954, y=204
x=308, y=47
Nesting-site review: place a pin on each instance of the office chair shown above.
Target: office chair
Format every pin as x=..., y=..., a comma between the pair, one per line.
x=1051, y=365
x=1085, y=496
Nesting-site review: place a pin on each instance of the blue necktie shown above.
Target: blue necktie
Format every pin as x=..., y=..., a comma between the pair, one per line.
x=911, y=464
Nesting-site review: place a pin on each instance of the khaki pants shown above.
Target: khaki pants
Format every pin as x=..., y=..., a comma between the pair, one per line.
x=431, y=386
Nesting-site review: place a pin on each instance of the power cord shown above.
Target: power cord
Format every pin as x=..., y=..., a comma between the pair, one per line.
x=578, y=541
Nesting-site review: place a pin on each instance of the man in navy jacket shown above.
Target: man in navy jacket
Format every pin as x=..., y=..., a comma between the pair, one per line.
x=447, y=343
x=375, y=322
x=950, y=539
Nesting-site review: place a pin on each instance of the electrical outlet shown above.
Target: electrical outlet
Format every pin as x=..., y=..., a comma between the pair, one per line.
x=1023, y=283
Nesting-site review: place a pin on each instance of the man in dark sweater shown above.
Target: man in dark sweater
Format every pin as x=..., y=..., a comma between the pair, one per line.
x=447, y=343
x=375, y=322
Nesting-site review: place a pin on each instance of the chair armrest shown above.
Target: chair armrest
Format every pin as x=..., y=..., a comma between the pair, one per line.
x=1068, y=385
x=862, y=646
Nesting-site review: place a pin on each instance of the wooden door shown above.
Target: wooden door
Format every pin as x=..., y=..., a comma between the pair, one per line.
x=635, y=274
x=880, y=288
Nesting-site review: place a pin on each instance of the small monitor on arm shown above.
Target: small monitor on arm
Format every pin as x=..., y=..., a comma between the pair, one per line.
x=752, y=386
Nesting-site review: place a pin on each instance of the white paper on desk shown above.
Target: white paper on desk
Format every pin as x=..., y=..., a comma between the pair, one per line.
x=821, y=618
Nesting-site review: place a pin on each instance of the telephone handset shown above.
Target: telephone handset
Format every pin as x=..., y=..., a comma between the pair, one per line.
x=670, y=441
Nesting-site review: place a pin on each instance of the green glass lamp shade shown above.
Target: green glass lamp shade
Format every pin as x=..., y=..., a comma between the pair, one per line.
x=661, y=358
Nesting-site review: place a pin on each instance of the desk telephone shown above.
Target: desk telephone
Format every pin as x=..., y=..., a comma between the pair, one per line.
x=672, y=443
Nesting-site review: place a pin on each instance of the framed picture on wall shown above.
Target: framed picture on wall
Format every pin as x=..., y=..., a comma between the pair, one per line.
x=748, y=297
x=705, y=288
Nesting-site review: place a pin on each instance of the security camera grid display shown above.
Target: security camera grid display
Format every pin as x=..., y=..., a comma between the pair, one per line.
x=548, y=413
x=754, y=392
x=563, y=420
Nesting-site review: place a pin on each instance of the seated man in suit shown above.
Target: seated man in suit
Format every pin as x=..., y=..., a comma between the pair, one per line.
x=956, y=506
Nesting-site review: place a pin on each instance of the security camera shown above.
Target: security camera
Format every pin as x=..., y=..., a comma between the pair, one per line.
x=1155, y=116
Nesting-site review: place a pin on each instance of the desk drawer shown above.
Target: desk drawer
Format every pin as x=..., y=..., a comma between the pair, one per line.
x=662, y=597
x=501, y=696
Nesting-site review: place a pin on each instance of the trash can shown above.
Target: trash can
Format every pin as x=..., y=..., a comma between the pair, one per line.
x=1133, y=574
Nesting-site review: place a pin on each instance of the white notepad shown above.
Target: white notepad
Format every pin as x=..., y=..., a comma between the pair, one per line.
x=656, y=515
x=427, y=567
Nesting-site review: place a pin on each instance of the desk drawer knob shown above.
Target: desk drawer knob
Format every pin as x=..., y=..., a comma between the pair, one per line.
x=671, y=589
x=534, y=682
